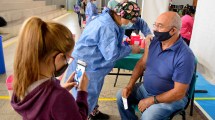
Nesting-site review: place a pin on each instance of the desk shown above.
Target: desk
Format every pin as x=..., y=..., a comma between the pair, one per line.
x=127, y=63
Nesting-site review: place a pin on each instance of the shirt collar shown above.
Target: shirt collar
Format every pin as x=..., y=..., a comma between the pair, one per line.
x=177, y=44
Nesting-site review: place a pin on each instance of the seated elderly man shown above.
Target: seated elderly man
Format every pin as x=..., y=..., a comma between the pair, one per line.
x=168, y=65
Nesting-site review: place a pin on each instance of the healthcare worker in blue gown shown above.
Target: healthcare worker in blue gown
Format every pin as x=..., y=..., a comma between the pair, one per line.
x=91, y=10
x=100, y=46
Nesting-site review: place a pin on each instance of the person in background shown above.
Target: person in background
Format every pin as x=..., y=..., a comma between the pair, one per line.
x=187, y=23
x=101, y=46
x=81, y=13
x=112, y=4
x=84, y=2
x=91, y=10
x=168, y=65
x=42, y=54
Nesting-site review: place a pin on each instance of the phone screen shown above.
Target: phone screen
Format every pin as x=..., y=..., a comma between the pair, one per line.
x=79, y=72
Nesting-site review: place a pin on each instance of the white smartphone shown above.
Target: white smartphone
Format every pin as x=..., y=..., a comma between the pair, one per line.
x=81, y=65
x=125, y=103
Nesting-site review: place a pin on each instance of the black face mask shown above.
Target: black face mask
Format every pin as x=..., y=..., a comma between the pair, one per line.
x=61, y=71
x=162, y=36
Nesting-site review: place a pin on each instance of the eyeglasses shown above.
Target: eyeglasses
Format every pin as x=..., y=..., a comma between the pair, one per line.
x=160, y=26
x=68, y=58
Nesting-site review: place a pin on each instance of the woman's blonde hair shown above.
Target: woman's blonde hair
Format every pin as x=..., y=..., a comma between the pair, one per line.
x=37, y=40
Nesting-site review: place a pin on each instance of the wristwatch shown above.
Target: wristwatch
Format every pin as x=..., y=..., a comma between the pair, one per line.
x=155, y=100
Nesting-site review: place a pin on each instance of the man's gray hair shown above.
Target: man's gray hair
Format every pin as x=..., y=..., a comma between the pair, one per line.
x=176, y=21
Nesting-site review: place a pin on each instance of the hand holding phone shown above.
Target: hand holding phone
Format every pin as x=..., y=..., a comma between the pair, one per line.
x=80, y=69
x=70, y=82
x=83, y=83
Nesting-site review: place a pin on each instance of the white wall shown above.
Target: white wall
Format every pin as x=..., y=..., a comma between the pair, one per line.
x=203, y=38
x=151, y=9
x=70, y=4
x=182, y=2
x=139, y=2
x=54, y=2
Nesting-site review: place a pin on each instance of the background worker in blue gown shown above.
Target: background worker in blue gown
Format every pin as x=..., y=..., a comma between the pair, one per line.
x=100, y=46
x=91, y=10
x=81, y=13
x=112, y=4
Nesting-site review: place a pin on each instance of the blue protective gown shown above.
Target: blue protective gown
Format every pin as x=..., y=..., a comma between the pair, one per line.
x=91, y=11
x=100, y=46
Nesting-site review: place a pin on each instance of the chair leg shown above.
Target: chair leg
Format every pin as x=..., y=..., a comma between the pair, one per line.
x=201, y=91
x=191, y=105
x=116, y=77
x=183, y=115
x=140, y=79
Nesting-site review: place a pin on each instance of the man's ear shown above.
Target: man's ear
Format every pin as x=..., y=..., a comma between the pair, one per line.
x=173, y=30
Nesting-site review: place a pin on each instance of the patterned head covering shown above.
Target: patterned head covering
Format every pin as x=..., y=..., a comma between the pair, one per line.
x=128, y=10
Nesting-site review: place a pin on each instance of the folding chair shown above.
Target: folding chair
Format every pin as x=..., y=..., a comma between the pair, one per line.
x=190, y=96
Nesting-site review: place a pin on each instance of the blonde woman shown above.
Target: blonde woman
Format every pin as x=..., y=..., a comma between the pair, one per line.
x=43, y=52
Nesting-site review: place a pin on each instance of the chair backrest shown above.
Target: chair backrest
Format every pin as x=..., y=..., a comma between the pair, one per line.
x=190, y=95
x=191, y=89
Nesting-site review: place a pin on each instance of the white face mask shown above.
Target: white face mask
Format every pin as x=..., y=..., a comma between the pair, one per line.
x=129, y=25
x=120, y=1
x=95, y=2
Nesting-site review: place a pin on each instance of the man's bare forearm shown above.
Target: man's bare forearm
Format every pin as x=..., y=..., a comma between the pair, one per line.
x=140, y=66
x=137, y=72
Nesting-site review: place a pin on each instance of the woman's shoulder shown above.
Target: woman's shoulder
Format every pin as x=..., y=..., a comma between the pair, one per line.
x=58, y=91
x=56, y=84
